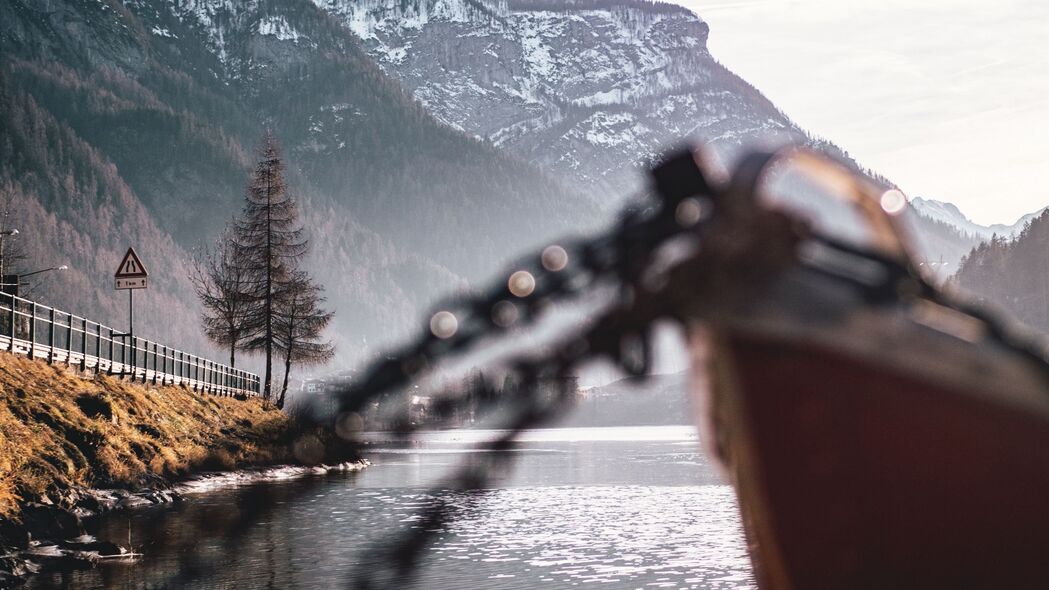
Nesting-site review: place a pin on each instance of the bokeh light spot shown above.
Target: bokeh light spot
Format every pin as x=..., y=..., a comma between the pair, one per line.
x=521, y=283
x=555, y=258
x=893, y=201
x=444, y=324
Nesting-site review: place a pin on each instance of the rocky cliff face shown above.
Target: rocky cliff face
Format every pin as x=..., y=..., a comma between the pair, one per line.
x=591, y=89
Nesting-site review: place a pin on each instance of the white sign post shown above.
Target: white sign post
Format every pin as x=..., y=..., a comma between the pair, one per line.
x=131, y=275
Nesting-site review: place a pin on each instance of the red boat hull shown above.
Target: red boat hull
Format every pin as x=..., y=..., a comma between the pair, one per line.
x=853, y=472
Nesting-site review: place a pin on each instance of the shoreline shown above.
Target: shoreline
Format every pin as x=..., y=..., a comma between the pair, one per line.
x=83, y=550
x=72, y=447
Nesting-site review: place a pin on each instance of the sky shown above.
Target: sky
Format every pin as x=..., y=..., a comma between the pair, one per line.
x=949, y=99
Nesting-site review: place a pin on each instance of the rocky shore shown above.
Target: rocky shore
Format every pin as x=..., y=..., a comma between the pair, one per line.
x=50, y=536
x=72, y=447
x=46, y=535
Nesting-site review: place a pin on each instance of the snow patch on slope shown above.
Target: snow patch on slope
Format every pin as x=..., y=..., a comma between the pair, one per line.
x=278, y=27
x=215, y=17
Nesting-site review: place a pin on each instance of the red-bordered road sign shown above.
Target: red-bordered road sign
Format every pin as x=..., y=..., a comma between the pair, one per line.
x=131, y=274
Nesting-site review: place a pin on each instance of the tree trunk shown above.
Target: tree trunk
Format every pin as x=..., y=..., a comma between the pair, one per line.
x=284, y=388
x=269, y=290
x=269, y=369
x=232, y=356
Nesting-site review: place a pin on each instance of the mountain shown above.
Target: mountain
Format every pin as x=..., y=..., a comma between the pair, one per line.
x=1012, y=275
x=591, y=90
x=943, y=235
x=134, y=124
x=950, y=214
x=427, y=140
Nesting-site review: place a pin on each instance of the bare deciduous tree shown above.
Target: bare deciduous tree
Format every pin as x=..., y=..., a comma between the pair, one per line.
x=222, y=285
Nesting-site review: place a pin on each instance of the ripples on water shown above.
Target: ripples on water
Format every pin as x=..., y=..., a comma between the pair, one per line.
x=620, y=536
x=587, y=507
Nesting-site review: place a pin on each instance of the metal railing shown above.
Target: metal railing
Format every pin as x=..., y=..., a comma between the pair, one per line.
x=42, y=332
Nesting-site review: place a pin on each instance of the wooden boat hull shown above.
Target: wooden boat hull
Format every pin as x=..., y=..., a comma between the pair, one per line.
x=855, y=470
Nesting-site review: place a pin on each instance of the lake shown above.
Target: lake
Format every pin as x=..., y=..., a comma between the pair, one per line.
x=635, y=507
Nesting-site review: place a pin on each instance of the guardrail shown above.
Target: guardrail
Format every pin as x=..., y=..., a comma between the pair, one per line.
x=42, y=332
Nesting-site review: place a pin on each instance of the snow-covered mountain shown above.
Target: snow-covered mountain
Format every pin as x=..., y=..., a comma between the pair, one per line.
x=588, y=89
x=950, y=214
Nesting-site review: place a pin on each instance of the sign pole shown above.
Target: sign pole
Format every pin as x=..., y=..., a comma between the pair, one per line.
x=131, y=330
x=130, y=275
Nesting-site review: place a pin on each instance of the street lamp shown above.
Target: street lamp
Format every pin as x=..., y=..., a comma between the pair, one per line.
x=12, y=283
x=36, y=272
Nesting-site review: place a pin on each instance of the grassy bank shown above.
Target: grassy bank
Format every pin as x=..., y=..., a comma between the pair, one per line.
x=59, y=431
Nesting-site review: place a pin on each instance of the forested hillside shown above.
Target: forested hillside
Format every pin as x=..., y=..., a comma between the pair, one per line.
x=72, y=207
x=938, y=246
x=1013, y=275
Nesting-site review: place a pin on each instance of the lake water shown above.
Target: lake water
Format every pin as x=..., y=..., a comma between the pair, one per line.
x=592, y=507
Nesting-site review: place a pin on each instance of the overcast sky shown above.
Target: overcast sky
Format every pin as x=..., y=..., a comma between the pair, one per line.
x=947, y=98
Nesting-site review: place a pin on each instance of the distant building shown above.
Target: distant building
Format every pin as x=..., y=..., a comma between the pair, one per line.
x=419, y=408
x=320, y=394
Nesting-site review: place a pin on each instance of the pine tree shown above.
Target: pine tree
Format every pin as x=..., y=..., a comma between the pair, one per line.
x=299, y=323
x=268, y=240
x=222, y=285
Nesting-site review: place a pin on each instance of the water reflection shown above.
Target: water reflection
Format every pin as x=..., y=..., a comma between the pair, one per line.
x=625, y=509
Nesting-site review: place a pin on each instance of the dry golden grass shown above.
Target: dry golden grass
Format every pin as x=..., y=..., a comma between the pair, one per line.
x=58, y=429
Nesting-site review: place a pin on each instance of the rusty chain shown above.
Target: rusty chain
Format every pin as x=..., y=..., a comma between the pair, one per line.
x=622, y=257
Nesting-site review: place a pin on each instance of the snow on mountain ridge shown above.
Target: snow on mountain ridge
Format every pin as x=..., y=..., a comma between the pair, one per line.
x=950, y=214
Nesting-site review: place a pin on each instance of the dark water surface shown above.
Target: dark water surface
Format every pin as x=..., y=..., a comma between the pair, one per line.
x=607, y=508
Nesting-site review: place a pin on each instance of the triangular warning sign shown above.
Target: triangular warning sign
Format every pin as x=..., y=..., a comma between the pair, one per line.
x=130, y=266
